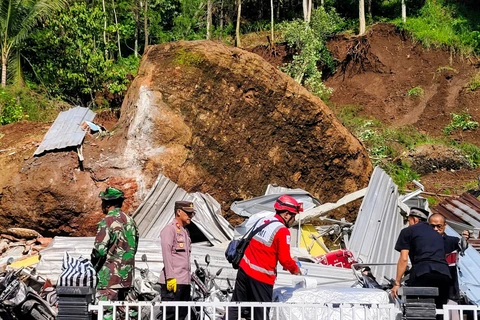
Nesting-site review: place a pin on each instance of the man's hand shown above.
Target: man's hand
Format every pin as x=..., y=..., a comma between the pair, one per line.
x=172, y=285
x=394, y=291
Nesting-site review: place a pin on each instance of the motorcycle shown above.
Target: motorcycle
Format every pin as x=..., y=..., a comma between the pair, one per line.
x=144, y=288
x=19, y=301
x=205, y=288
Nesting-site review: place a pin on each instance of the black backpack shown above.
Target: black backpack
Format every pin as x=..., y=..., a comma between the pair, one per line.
x=236, y=248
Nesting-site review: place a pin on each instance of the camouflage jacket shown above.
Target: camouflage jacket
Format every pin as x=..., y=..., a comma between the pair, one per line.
x=113, y=255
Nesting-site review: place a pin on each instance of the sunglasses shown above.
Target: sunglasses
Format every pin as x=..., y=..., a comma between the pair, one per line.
x=190, y=214
x=438, y=226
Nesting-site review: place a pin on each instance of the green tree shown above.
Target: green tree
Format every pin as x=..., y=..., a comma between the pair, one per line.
x=17, y=19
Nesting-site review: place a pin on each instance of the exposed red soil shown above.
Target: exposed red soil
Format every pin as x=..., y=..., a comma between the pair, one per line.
x=376, y=71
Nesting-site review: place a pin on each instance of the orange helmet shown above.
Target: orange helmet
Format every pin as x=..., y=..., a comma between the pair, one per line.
x=288, y=203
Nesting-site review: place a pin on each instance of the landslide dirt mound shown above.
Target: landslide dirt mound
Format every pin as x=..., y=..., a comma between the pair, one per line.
x=212, y=118
x=377, y=70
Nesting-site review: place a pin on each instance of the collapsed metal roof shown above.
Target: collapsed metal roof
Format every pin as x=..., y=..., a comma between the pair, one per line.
x=51, y=262
x=378, y=225
x=157, y=210
x=66, y=130
x=463, y=209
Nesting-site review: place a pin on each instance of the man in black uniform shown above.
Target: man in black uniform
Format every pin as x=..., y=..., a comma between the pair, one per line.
x=424, y=247
x=452, y=248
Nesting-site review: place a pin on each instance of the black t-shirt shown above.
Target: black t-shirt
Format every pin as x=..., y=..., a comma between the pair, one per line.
x=451, y=243
x=425, y=249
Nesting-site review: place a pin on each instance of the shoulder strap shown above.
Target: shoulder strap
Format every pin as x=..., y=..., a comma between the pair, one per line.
x=254, y=232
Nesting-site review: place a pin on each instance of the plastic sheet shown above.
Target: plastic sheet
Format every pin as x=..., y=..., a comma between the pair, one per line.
x=332, y=296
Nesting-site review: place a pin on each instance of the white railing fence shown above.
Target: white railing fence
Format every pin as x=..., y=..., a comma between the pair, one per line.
x=460, y=312
x=219, y=310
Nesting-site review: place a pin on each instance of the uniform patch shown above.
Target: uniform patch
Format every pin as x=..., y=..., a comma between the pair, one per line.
x=288, y=239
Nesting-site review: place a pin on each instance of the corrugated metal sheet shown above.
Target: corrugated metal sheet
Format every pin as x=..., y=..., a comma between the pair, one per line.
x=247, y=208
x=378, y=225
x=465, y=208
x=51, y=262
x=157, y=210
x=66, y=131
x=468, y=267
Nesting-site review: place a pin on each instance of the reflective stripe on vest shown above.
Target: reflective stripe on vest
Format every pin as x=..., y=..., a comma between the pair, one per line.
x=257, y=268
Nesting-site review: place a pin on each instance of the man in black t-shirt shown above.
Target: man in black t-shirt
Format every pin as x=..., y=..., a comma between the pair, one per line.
x=424, y=247
x=452, y=248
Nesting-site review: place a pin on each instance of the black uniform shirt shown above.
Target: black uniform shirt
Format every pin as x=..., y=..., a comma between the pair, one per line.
x=425, y=249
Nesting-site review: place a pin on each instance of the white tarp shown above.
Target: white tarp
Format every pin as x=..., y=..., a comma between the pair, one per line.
x=331, y=295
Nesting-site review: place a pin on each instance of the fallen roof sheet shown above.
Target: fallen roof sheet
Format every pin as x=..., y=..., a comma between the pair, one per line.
x=378, y=225
x=66, y=131
x=468, y=275
x=465, y=208
x=157, y=210
x=247, y=208
x=51, y=262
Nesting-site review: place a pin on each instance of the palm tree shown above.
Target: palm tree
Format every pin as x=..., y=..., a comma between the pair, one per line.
x=17, y=19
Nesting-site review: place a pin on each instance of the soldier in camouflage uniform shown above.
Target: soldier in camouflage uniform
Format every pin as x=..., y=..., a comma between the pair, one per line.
x=113, y=255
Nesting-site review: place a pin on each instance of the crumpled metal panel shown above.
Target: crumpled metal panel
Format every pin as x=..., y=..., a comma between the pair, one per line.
x=247, y=208
x=157, y=210
x=66, y=131
x=51, y=262
x=378, y=225
x=465, y=208
x=468, y=268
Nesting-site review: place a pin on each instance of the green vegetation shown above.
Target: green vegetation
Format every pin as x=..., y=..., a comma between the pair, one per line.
x=385, y=145
x=186, y=58
x=443, y=23
x=461, y=121
x=446, y=68
x=20, y=103
x=308, y=41
x=415, y=92
x=474, y=83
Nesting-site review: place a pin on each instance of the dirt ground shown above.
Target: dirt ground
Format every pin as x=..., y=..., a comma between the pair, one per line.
x=376, y=71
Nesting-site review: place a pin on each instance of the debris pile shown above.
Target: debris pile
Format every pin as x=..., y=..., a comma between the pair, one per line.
x=21, y=246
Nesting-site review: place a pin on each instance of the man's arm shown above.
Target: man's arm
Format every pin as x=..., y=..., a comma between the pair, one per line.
x=101, y=246
x=166, y=240
x=283, y=251
x=401, y=268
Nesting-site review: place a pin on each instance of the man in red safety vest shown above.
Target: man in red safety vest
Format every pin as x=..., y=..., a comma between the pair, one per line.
x=257, y=270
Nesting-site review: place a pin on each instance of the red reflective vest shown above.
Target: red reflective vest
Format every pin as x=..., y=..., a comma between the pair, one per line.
x=266, y=249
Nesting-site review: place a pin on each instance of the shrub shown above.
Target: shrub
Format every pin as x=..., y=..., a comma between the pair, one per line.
x=10, y=108
x=461, y=121
x=415, y=92
x=474, y=83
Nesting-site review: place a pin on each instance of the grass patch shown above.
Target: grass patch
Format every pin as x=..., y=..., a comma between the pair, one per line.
x=462, y=121
x=446, y=68
x=474, y=83
x=415, y=92
x=186, y=58
x=432, y=201
x=445, y=24
x=24, y=104
x=386, y=145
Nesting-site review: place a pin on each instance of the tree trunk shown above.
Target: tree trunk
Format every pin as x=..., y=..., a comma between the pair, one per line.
x=118, y=30
x=369, y=7
x=361, y=11
x=105, y=29
x=137, y=27
x=307, y=10
x=237, y=29
x=221, y=19
x=322, y=3
x=404, y=11
x=209, y=19
x=145, y=23
x=4, y=70
x=271, y=16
